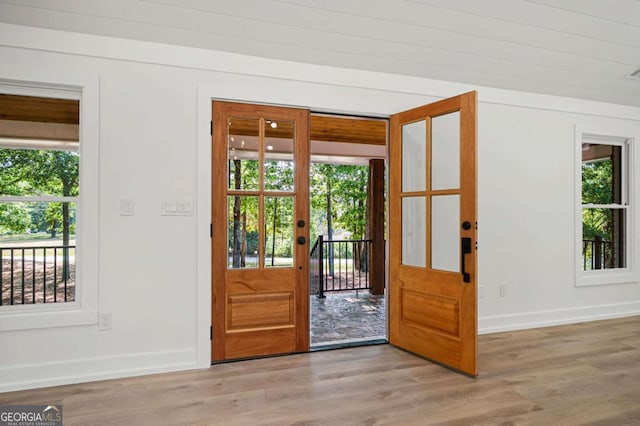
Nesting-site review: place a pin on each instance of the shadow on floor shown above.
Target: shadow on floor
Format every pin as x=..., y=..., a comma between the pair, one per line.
x=347, y=317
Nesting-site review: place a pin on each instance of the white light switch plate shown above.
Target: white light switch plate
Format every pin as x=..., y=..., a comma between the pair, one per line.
x=177, y=208
x=127, y=207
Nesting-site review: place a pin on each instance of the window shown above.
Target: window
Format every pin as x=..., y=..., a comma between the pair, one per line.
x=604, y=210
x=39, y=189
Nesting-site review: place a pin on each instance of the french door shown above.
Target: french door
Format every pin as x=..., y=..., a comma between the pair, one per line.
x=259, y=231
x=432, y=232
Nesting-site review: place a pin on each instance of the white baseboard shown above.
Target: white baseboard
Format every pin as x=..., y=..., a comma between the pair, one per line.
x=522, y=321
x=30, y=376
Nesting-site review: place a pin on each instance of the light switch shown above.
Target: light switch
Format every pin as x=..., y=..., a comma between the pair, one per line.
x=176, y=208
x=127, y=207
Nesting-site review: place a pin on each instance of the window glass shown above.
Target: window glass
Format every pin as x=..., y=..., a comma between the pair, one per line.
x=39, y=189
x=278, y=223
x=278, y=155
x=604, y=206
x=243, y=148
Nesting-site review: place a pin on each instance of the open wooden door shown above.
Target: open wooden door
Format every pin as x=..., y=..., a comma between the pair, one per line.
x=260, y=207
x=432, y=234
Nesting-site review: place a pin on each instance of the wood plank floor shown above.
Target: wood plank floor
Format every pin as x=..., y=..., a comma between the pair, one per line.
x=570, y=375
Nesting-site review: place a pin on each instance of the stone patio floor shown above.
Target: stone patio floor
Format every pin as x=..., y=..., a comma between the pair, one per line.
x=347, y=317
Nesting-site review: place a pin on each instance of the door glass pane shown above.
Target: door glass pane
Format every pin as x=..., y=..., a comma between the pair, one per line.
x=278, y=155
x=414, y=221
x=243, y=142
x=445, y=232
x=242, y=231
x=445, y=151
x=603, y=242
x=414, y=156
x=278, y=223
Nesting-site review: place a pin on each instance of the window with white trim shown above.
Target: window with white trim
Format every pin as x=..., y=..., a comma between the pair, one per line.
x=39, y=190
x=604, y=247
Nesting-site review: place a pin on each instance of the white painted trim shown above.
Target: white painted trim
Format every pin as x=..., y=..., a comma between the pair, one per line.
x=203, y=220
x=527, y=320
x=210, y=60
x=38, y=199
x=37, y=88
x=44, y=82
x=611, y=136
x=78, y=370
x=60, y=315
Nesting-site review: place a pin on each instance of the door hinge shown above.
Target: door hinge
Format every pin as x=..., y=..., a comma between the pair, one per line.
x=210, y=332
x=211, y=128
x=211, y=230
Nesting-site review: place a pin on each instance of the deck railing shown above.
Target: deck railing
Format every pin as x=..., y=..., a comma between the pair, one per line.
x=339, y=265
x=30, y=275
x=597, y=254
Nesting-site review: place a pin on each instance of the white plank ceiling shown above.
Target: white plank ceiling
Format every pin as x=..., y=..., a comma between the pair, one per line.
x=579, y=48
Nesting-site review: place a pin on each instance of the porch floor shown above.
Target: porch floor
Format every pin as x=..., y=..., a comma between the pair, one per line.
x=347, y=317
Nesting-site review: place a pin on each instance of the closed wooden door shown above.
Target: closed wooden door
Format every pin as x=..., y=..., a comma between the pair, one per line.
x=259, y=231
x=432, y=235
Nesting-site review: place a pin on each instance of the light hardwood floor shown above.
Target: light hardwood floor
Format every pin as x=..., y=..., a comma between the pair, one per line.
x=570, y=375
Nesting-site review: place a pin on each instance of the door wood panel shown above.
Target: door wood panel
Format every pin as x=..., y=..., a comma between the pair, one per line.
x=433, y=312
x=258, y=309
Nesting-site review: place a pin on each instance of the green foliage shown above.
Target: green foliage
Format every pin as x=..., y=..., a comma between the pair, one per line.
x=278, y=175
x=597, y=188
x=243, y=174
x=597, y=182
x=351, y=199
x=346, y=185
x=25, y=172
x=14, y=218
x=278, y=226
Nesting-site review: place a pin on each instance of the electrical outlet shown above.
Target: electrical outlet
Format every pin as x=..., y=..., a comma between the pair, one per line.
x=503, y=290
x=104, y=321
x=481, y=292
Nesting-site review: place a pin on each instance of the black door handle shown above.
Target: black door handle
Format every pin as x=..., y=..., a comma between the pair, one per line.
x=301, y=240
x=465, y=249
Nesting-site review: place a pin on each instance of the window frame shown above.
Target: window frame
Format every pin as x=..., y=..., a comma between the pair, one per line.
x=84, y=309
x=627, y=274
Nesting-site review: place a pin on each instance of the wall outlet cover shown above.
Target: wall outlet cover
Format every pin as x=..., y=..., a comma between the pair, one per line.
x=104, y=321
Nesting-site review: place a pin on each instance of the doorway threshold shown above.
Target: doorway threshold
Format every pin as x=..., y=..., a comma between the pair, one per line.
x=348, y=344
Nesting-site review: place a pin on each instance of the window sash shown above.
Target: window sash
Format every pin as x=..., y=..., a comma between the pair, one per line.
x=615, y=275
x=40, y=199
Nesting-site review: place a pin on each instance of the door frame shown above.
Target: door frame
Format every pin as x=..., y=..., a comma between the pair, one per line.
x=203, y=295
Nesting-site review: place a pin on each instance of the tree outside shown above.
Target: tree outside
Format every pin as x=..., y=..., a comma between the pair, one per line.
x=602, y=224
x=39, y=175
x=338, y=208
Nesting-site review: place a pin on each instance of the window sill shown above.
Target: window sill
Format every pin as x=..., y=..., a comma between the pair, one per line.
x=609, y=277
x=38, y=316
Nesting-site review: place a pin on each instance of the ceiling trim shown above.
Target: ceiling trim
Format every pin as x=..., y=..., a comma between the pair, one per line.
x=18, y=36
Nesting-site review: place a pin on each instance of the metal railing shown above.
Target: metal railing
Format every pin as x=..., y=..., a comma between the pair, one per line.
x=339, y=265
x=597, y=254
x=30, y=275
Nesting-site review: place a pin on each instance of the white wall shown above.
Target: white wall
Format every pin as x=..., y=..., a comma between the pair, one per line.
x=153, y=271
